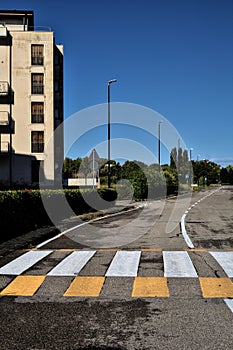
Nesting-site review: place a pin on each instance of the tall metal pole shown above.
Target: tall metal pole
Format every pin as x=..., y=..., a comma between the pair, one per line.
x=190, y=156
x=159, y=144
x=109, y=132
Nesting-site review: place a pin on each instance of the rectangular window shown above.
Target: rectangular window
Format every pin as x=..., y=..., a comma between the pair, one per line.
x=37, y=55
x=37, y=112
x=37, y=83
x=37, y=141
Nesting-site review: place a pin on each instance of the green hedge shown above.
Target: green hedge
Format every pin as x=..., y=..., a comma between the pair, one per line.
x=23, y=211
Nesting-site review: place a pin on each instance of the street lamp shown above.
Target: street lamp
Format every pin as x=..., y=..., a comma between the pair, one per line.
x=109, y=135
x=190, y=153
x=190, y=156
x=159, y=142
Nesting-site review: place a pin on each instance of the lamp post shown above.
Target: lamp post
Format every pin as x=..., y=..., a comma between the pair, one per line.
x=159, y=143
x=109, y=131
x=190, y=156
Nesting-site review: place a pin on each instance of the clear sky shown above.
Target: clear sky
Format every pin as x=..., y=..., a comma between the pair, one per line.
x=174, y=56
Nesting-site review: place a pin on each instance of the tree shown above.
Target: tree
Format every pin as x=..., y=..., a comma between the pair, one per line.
x=155, y=181
x=173, y=158
x=226, y=175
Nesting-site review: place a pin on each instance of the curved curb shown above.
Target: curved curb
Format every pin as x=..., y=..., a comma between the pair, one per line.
x=182, y=221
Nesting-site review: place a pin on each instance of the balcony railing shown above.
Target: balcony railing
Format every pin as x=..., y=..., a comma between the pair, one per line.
x=37, y=117
x=37, y=60
x=4, y=147
x=37, y=89
x=37, y=147
x=4, y=88
x=4, y=118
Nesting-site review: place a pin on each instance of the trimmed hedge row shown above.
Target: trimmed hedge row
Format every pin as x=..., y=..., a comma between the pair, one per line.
x=23, y=211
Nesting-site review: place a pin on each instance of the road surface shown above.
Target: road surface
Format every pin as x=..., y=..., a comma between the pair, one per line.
x=143, y=288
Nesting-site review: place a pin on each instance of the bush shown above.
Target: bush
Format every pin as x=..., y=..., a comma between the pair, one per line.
x=23, y=211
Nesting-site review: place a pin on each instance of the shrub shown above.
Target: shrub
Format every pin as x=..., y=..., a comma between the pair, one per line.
x=22, y=211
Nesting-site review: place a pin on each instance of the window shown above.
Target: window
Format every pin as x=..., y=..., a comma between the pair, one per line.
x=37, y=170
x=37, y=141
x=37, y=55
x=37, y=112
x=37, y=83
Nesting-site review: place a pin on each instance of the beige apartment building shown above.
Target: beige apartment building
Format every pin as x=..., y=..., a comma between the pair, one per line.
x=31, y=101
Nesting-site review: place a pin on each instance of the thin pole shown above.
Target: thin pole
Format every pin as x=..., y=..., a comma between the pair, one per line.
x=159, y=145
x=109, y=136
x=93, y=160
x=109, y=132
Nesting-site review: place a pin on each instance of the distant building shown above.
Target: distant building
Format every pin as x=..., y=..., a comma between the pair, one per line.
x=31, y=100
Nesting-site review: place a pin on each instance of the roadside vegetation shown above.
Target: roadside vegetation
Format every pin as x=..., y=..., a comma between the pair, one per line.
x=22, y=210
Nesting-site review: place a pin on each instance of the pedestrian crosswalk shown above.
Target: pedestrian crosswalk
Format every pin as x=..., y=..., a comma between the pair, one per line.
x=73, y=264
x=86, y=272
x=178, y=264
x=124, y=264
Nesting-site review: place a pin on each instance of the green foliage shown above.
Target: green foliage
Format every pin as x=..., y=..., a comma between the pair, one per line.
x=208, y=170
x=226, y=175
x=22, y=211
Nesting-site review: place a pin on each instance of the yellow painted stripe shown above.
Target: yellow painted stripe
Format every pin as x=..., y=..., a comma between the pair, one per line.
x=108, y=250
x=197, y=250
x=23, y=286
x=151, y=249
x=216, y=287
x=150, y=287
x=85, y=287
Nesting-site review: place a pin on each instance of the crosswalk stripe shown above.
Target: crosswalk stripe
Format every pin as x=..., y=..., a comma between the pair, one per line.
x=23, y=286
x=225, y=260
x=24, y=262
x=178, y=264
x=124, y=264
x=150, y=287
x=229, y=303
x=85, y=287
x=216, y=287
x=72, y=264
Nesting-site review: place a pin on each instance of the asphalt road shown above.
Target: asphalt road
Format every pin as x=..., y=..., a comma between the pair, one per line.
x=183, y=313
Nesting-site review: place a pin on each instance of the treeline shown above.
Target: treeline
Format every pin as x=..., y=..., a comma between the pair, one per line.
x=152, y=180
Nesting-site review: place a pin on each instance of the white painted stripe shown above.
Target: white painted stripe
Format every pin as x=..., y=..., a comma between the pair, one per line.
x=24, y=262
x=124, y=264
x=72, y=264
x=178, y=264
x=225, y=260
x=229, y=303
x=184, y=233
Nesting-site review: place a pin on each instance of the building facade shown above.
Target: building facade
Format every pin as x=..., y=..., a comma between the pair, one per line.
x=31, y=102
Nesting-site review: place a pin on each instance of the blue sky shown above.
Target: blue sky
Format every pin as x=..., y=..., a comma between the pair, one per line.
x=173, y=56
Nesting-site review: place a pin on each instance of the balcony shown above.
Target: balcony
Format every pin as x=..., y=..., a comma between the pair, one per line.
x=4, y=89
x=6, y=123
x=4, y=148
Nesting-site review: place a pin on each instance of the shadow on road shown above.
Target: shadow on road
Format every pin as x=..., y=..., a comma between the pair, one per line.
x=103, y=348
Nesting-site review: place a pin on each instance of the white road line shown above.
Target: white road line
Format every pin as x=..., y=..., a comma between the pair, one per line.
x=72, y=264
x=178, y=264
x=182, y=221
x=184, y=233
x=229, y=303
x=225, y=260
x=24, y=262
x=124, y=264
